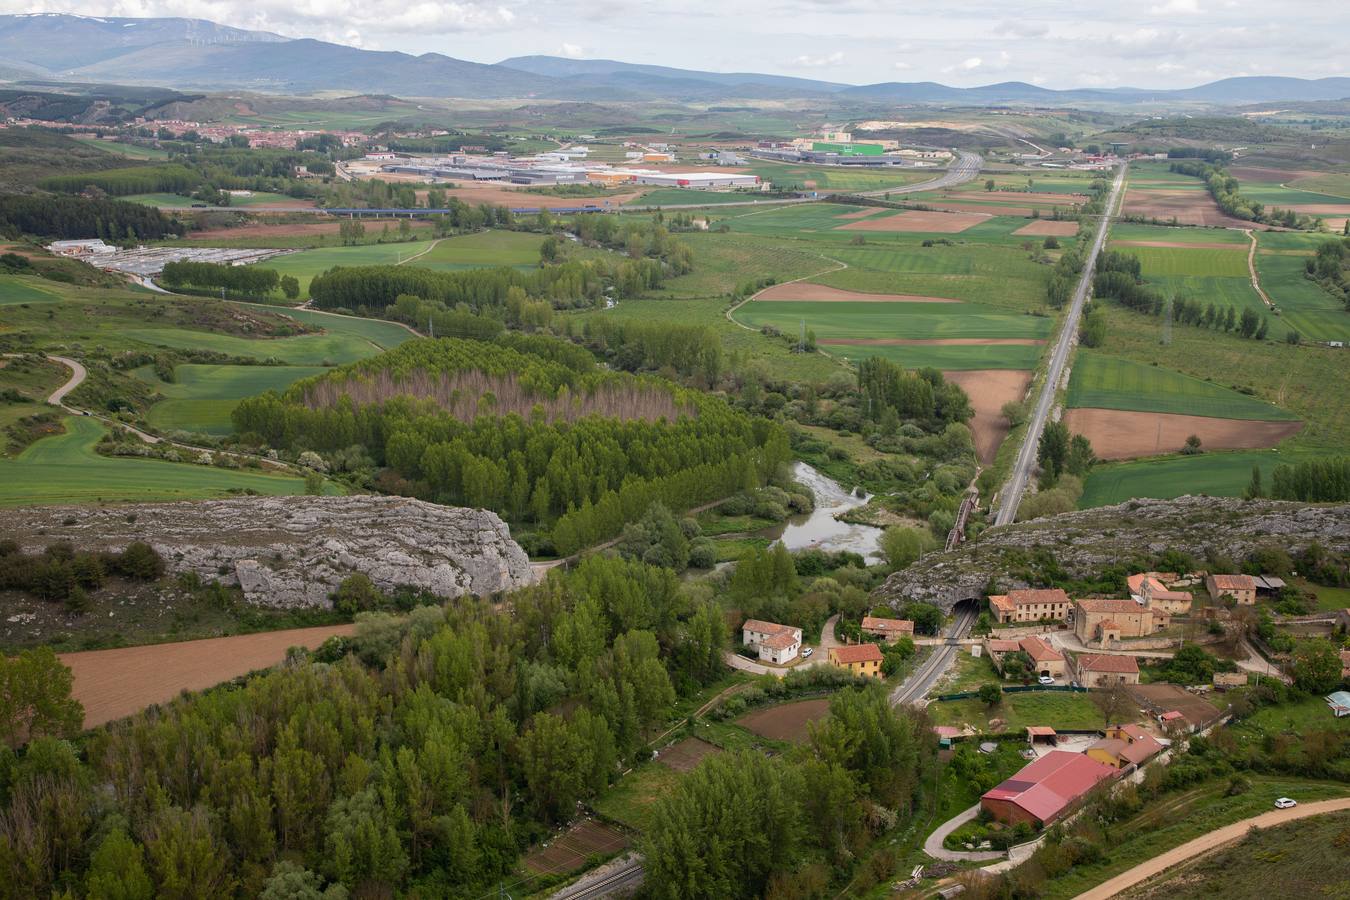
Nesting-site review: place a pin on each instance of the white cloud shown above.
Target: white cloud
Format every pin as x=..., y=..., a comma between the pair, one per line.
x=572, y=51
x=901, y=66
x=966, y=65
x=818, y=62
x=1176, y=8
x=1166, y=68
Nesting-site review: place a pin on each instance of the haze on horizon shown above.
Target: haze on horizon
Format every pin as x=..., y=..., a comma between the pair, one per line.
x=1052, y=43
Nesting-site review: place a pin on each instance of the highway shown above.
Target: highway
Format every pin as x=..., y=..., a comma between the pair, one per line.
x=923, y=678
x=1026, y=457
x=966, y=167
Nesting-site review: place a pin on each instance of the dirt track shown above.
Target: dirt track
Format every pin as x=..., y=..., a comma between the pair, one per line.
x=1122, y=434
x=113, y=684
x=819, y=293
x=1205, y=843
x=988, y=390
x=920, y=221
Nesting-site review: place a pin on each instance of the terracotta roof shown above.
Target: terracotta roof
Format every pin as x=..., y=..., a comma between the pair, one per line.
x=1040, y=731
x=855, y=653
x=1137, y=746
x=1171, y=715
x=1047, y=786
x=780, y=641
x=1103, y=662
x=888, y=626
x=1001, y=601
x=997, y=645
x=1099, y=605
x=763, y=627
x=1039, y=650
x=1136, y=582
x=1234, y=582
x=1171, y=595
x=1038, y=595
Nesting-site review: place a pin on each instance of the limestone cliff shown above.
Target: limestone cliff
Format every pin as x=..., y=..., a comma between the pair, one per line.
x=295, y=551
x=1133, y=534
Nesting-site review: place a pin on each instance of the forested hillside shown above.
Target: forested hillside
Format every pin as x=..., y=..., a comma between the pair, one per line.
x=573, y=451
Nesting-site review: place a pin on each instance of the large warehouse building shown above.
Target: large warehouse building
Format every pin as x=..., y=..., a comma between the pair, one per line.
x=1044, y=790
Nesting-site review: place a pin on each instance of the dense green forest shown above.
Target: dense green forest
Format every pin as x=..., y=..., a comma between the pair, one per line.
x=171, y=178
x=82, y=217
x=507, y=427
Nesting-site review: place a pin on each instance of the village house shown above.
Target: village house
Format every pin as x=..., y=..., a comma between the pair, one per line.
x=1042, y=791
x=1125, y=745
x=777, y=644
x=1242, y=588
x=888, y=630
x=860, y=659
x=1046, y=659
x=1150, y=589
x=1095, y=670
x=1030, y=606
x=1103, y=622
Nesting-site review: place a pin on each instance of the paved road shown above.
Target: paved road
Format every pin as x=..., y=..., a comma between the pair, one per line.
x=1208, y=842
x=932, y=845
x=1059, y=357
x=77, y=376
x=966, y=167
x=922, y=679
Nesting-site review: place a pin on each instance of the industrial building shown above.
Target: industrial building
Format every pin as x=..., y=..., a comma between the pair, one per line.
x=1044, y=790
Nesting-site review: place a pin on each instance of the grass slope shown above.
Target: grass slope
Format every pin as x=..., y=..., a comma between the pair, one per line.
x=203, y=396
x=305, y=265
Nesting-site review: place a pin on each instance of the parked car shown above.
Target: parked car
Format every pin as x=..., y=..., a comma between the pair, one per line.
x=808, y=651
x=1285, y=803
x=1046, y=679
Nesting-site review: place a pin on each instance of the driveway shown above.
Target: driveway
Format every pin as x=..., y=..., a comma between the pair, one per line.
x=933, y=845
x=1206, y=843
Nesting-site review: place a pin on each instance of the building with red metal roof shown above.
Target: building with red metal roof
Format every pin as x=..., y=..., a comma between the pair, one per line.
x=1044, y=790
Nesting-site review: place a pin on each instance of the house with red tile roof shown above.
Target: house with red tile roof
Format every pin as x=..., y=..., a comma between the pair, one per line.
x=777, y=644
x=887, y=630
x=1242, y=588
x=1124, y=746
x=860, y=659
x=1094, y=670
x=1150, y=589
x=1048, y=604
x=1102, y=622
x=1044, y=790
x=1046, y=659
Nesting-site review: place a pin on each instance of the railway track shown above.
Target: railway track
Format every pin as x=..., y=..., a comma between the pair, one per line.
x=916, y=685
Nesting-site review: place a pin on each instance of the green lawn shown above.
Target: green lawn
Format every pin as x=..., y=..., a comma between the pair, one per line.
x=308, y=263
x=1212, y=474
x=1107, y=382
x=203, y=396
x=1058, y=709
x=65, y=469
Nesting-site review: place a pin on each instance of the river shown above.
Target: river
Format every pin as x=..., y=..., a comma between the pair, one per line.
x=820, y=529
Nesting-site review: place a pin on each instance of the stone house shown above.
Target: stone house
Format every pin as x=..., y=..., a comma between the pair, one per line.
x=1242, y=588
x=1030, y=606
x=1100, y=670
x=1104, y=622
x=887, y=630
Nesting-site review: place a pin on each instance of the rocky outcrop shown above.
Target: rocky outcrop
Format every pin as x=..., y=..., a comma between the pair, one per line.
x=1131, y=534
x=295, y=551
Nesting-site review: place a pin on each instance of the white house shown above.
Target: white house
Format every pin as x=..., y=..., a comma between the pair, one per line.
x=778, y=644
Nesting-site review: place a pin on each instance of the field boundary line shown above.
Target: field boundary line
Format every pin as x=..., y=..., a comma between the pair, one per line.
x=1251, y=269
x=839, y=266
x=420, y=254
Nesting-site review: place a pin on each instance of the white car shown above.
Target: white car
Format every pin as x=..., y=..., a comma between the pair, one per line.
x=1046, y=679
x=808, y=651
x=1285, y=803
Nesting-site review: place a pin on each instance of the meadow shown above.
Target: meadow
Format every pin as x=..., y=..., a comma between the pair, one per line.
x=1107, y=382
x=1224, y=474
x=309, y=263
x=1204, y=261
x=482, y=249
x=117, y=148
x=1303, y=305
x=1335, y=184
x=915, y=321
x=1223, y=292
x=203, y=396
x=15, y=290
x=722, y=262
x=65, y=469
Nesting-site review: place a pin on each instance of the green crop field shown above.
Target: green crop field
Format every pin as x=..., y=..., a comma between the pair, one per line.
x=15, y=290
x=308, y=263
x=178, y=201
x=334, y=348
x=1107, y=382
x=915, y=321
x=65, y=469
x=1273, y=194
x=837, y=178
x=1335, y=184
x=1222, y=292
x=1212, y=474
x=117, y=148
x=1162, y=261
x=682, y=197
x=203, y=396
x=724, y=261
x=947, y=357
x=1302, y=303
x=1292, y=241
x=483, y=249
x=381, y=334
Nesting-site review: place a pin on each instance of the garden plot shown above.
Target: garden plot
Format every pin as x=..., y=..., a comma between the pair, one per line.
x=685, y=755
x=570, y=850
x=787, y=721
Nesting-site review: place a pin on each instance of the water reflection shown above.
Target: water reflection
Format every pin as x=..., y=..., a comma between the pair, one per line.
x=821, y=529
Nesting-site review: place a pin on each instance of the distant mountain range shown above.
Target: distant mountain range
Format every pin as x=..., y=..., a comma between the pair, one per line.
x=202, y=55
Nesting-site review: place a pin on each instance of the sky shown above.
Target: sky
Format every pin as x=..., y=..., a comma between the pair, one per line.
x=1053, y=43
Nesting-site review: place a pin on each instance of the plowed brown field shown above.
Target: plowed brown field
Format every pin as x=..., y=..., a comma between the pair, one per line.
x=1049, y=227
x=787, y=721
x=988, y=390
x=113, y=684
x=1122, y=434
x=919, y=220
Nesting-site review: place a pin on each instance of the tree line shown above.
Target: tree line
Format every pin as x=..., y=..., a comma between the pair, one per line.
x=170, y=178
x=1330, y=267
x=690, y=350
x=1227, y=194
x=1118, y=276
x=419, y=757
x=67, y=218
x=249, y=280
x=1321, y=480
x=889, y=391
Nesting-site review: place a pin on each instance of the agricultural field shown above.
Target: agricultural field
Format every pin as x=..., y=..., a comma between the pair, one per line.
x=725, y=261
x=202, y=396
x=1210, y=474
x=483, y=249
x=681, y=197
x=65, y=468
x=335, y=347
x=1108, y=382
x=178, y=201
x=117, y=148
x=15, y=290
x=306, y=264
x=789, y=176
x=1303, y=305
x=1335, y=184
x=1192, y=260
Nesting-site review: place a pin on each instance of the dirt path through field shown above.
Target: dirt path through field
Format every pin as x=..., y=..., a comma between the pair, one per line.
x=113, y=684
x=1206, y=843
x=1126, y=434
x=1251, y=269
x=989, y=390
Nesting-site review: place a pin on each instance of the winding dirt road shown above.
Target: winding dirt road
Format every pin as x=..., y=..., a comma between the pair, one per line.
x=1208, y=842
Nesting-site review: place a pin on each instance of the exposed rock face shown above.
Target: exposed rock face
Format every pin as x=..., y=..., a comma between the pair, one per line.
x=295, y=551
x=1134, y=533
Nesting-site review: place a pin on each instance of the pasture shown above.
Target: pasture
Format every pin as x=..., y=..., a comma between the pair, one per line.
x=1163, y=478
x=306, y=264
x=338, y=345
x=15, y=290
x=64, y=468
x=482, y=249
x=1303, y=305
x=1208, y=261
x=203, y=396
x=1108, y=382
